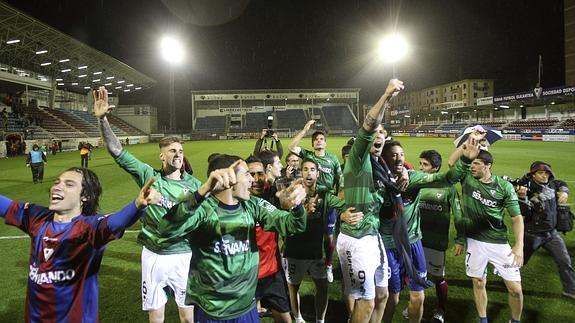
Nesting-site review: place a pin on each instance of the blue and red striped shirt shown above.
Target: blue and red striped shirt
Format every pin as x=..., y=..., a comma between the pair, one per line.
x=65, y=259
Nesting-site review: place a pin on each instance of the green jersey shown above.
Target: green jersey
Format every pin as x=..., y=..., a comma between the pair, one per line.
x=411, y=199
x=436, y=206
x=171, y=191
x=309, y=244
x=359, y=191
x=328, y=167
x=223, y=272
x=482, y=206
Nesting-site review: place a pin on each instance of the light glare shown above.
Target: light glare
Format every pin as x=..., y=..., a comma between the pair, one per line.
x=393, y=48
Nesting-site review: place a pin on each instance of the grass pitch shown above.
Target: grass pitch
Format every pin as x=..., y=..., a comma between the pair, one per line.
x=120, y=273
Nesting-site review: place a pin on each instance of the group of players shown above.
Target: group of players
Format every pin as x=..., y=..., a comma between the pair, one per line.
x=215, y=244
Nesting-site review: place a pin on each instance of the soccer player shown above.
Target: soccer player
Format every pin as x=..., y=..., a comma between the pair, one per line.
x=435, y=207
x=68, y=240
x=303, y=252
x=403, y=205
x=330, y=172
x=271, y=290
x=219, y=222
x=35, y=160
x=359, y=246
x=539, y=197
x=484, y=199
x=163, y=266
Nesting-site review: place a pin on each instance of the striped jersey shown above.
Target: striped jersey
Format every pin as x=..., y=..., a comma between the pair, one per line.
x=224, y=269
x=482, y=206
x=436, y=206
x=171, y=190
x=64, y=261
x=328, y=167
x=359, y=191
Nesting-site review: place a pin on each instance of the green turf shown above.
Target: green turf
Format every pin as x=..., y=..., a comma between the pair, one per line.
x=120, y=272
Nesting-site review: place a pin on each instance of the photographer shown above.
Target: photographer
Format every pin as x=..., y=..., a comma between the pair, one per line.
x=268, y=133
x=292, y=168
x=539, y=195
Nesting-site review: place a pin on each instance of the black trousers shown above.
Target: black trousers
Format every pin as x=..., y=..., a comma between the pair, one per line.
x=84, y=160
x=37, y=172
x=554, y=244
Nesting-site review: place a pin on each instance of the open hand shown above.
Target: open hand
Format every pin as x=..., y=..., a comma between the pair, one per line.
x=101, y=107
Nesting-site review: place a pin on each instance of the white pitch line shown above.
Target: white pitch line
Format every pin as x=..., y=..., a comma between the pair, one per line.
x=23, y=237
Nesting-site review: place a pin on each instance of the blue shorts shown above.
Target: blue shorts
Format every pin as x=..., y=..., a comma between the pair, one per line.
x=252, y=316
x=398, y=272
x=330, y=219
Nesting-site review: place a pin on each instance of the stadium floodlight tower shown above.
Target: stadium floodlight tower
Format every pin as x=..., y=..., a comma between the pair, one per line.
x=173, y=53
x=393, y=48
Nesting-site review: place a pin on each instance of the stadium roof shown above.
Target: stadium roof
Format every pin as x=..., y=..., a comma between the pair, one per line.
x=29, y=44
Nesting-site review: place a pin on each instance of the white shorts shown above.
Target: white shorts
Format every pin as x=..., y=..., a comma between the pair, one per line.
x=363, y=264
x=164, y=271
x=435, y=262
x=295, y=269
x=499, y=255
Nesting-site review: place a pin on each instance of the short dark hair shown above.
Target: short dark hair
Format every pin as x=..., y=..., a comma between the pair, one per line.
x=307, y=160
x=345, y=150
x=433, y=157
x=166, y=141
x=221, y=161
x=267, y=157
x=253, y=159
x=212, y=156
x=388, y=145
x=317, y=133
x=485, y=157
x=91, y=190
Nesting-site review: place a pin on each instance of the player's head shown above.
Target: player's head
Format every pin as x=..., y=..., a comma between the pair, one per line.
x=541, y=172
x=35, y=147
x=345, y=152
x=76, y=189
x=256, y=169
x=292, y=160
x=393, y=155
x=429, y=161
x=272, y=163
x=241, y=190
x=171, y=154
x=309, y=172
x=481, y=165
x=378, y=142
x=318, y=140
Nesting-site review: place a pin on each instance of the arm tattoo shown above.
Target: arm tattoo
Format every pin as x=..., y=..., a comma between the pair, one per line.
x=110, y=140
x=370, y=122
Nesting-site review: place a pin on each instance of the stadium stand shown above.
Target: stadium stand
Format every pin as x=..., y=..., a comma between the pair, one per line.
x=568, y=124
x=215, y=124
x=427, y=127
x=291, y=119
x=540, y=124
x=339, y=117
x=256, y=121
x=451, y=126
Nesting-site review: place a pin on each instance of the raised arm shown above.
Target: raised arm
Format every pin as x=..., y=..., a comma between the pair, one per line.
x=294, y=144
x=376, y=113
x=101, y=109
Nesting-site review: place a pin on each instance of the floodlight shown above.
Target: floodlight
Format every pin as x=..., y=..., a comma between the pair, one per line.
x=45, y=64
x=13, y=41
x=393, y=48
x=172, y=50
x=64, y=60
x=43, y=51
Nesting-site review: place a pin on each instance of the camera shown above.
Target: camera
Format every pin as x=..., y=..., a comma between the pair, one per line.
x=270, y=125
x=515, y=181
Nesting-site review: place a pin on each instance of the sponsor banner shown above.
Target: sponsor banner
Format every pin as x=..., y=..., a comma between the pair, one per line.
x=531, y=136
x=535, y=94
x=485, y=101
x=512, y=136
x=156, y=136
x=562, y=138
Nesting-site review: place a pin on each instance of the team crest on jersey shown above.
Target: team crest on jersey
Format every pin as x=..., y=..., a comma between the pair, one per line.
x=492, y=192
x=48, y=249
x=186, y=190
x=439, y=195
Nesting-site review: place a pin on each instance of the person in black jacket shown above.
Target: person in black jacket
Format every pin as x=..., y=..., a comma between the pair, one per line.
x=539, y=195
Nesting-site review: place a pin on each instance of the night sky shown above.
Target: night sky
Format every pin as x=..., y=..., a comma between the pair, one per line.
x=257, y=44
